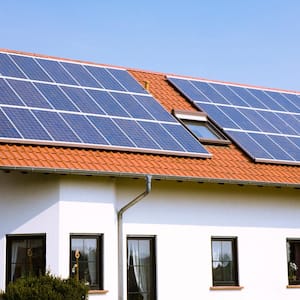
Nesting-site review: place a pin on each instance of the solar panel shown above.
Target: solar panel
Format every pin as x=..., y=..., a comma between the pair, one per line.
x=59, y=102
x=264, y=123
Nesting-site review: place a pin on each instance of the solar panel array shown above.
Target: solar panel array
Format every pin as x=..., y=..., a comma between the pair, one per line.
x=51, y=101
x=264, y=123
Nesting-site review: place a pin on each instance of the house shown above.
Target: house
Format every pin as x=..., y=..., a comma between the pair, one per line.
x=148, y=185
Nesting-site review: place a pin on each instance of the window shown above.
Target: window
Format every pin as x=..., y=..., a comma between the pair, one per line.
x=26, y=255
x=224, y=261
x=199, y=124
x=86, y=260
x=293, y=258
x=141, y=268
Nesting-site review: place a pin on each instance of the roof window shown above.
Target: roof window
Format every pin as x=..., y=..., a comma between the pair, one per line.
x=201, y=127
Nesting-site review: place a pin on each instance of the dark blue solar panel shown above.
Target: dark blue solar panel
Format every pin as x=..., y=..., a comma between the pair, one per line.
x=266, y=99
x=285, y=103
x=230, y=96
x=243, y=122
x=210, y=93
x=190, y=143
x=26, y=124
x=277, y=122
x=218, y=115
x=113, y=133
x=81, y=75
x=56, y=97
x=55, y=125
x=9, y=68
x=292, y=121
x=82, y=100
x=274, y=149
x=7, y=96
x=259, y=121
x=7, y=129
x=249, y=145
x=105, y=78
x=295, y=140
x=136, y=133
x=289, y=146
x=28, y=93
x=108, y=103
x=154, y=108
x=132, y=106
x=161, y=136
x=248, y=97
x=56, y=71
x=269, y=116
x=295, y=100
x=127, y=81
x=84, y=129
x=30, y=67
x=189, y=90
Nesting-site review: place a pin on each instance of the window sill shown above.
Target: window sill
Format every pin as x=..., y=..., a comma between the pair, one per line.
x=97, y=292
x=226, y=288
x=293, y=286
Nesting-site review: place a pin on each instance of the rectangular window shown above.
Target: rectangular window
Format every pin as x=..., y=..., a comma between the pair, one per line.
x=293, y=258
x=86, y=259
x=25, y=255
x=224, y=261
x=141, y=270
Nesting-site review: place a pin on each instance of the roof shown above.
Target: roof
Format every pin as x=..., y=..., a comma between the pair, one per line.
x=228, y=163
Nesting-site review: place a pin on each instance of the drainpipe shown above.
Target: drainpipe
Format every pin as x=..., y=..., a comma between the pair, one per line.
x=137, y=199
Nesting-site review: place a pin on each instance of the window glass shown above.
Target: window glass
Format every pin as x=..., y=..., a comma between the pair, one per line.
x=25, y=256
x=224, y=261
x=140, y=269
x=86, y=264
x=293, y=257
x=201, y=130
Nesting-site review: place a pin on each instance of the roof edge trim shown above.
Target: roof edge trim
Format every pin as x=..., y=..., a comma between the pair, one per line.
x=154, y=176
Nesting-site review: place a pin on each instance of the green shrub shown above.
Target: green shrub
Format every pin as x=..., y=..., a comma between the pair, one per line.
x=45, y=287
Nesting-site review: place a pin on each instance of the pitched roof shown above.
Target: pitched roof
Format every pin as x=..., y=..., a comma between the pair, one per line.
x=228, y=163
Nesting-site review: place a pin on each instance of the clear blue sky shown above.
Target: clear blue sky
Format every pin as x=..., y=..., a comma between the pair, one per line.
x=245, y=41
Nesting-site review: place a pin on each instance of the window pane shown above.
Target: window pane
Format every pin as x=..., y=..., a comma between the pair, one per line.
x=88, y=265
x=224, y=261
x=26, y=256
x=140, y=269
x=293, y=252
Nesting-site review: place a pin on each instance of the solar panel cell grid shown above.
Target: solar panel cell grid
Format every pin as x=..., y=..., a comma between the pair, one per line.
x=9, y=68
x=8, y=96
x=26, y=123
x=31, y=68
x=56, y=127
x=265, y=123
x=82, y=104
x=29, y=94
x=7, y=129
x=56, y=71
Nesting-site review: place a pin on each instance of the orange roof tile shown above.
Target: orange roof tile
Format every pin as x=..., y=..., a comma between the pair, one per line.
x=228, y=164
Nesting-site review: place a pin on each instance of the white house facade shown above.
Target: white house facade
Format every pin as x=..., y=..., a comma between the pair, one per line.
x=129, y=197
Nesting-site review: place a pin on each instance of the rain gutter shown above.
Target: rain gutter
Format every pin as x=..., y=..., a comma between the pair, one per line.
x=154, y=176
x=121, y=240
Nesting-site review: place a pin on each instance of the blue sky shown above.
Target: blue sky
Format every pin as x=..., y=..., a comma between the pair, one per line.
x=246, y=41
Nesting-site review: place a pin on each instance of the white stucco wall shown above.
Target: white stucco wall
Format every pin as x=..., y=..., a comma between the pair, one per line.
x=182, y=216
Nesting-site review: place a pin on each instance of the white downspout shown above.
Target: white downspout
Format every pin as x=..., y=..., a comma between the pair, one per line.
x=120, y=234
